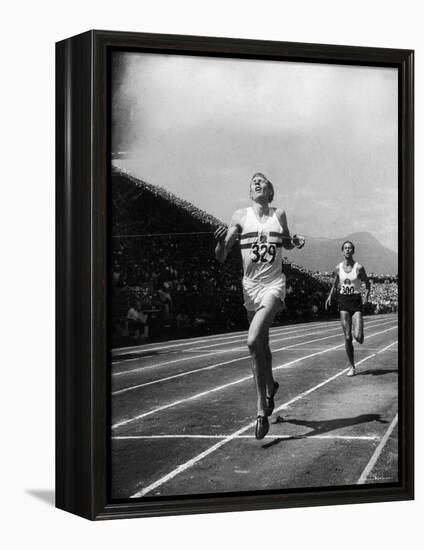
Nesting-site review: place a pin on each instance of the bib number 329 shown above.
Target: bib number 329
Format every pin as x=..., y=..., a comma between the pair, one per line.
x=264, y=253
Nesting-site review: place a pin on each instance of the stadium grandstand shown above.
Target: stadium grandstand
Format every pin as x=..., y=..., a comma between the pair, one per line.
x=166, y=282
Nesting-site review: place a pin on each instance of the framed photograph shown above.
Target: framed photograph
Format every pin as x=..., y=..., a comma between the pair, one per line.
x=234, y=274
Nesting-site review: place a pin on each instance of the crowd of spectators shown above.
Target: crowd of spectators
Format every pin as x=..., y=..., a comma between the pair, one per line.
x=133, y=199
x=162, y=258
x=306, y=294
x=179, y=285
x=384, y=295
x=181, y=290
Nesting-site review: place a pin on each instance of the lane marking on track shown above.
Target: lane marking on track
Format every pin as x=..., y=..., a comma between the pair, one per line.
x=186, y=465
x=229, y=384
x=200, y=436
x=319, y=339
x=223, y=338
x=377, y=452
x=173, y=376
x=295, y=336
x=143, y=347
x=194, y=350
x=356, y=345
x=231, y=350
x=200, y=340
x=179, y=360
x=237, y=334
x=307, y=392
x=281, y=335
x=222, y=341
x=205, y=354
x=215, y=365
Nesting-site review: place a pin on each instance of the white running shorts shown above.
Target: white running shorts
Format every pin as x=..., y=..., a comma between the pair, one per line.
x=254, y=292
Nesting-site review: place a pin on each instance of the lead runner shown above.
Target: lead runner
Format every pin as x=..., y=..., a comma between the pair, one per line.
x=263, y=232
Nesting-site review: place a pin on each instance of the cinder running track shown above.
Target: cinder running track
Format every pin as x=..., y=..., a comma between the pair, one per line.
x=183, y=413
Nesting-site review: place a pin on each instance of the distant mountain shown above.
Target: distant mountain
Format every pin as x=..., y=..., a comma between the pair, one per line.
x=320, y=254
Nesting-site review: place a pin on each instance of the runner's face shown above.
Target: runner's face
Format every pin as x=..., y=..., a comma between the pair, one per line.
x=259, y=188
x=348, y=250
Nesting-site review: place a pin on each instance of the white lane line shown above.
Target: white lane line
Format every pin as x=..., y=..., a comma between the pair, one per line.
x=195, y=350
x=222, y=341
x=199, y=339
x=377, y=452
x=180, y=360
x=319, y=339
x=186, y=465
x=307, y=392
x=296, y=335
x=233, y=383
x=227, y=350
x=215, y=365
x=173, y=376
x=294, y=436
x=274, y=331
x=280, y=330
x=232, y=350
x=362, y=348
x=179, y=341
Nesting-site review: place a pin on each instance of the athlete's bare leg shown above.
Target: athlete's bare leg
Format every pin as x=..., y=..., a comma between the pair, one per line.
x=358, y=327
x=268, y=356
x=260, y=353
x=346, y=321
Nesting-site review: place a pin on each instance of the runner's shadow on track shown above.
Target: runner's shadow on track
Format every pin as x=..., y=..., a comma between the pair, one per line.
x=376, y=372
x=320, y=427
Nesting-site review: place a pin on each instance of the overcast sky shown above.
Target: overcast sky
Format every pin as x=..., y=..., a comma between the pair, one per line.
x=325, y=135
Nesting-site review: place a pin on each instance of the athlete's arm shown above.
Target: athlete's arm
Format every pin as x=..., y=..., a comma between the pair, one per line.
x=333, y=289
x=362, y=274
x=289, y=242
x=226, y=237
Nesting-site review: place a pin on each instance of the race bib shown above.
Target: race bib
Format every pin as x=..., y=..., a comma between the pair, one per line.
x=348, y=288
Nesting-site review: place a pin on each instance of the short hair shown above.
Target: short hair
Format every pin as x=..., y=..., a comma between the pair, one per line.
x=351, y=243
x=269, y=184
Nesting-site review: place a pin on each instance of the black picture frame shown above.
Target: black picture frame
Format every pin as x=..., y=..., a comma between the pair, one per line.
x=82, y=355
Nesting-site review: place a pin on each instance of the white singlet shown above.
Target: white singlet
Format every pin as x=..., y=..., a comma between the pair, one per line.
x=261, y=249
x=349, y=282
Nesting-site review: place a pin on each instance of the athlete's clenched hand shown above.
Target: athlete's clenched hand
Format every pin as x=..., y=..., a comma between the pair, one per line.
x=298, y=241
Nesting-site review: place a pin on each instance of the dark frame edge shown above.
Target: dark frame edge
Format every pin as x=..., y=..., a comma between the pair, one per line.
x=252, y=503
x=74, y=367
x=208, y=45
x=406, y=261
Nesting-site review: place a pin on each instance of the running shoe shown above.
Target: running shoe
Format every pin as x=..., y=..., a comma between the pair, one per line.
x=262, y=427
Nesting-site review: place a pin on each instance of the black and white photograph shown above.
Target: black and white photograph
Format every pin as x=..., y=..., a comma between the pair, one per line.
x=209, y=223
x=253, y=257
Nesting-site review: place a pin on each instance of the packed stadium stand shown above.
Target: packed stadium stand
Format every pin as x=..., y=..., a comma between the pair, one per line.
x=165, y=280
